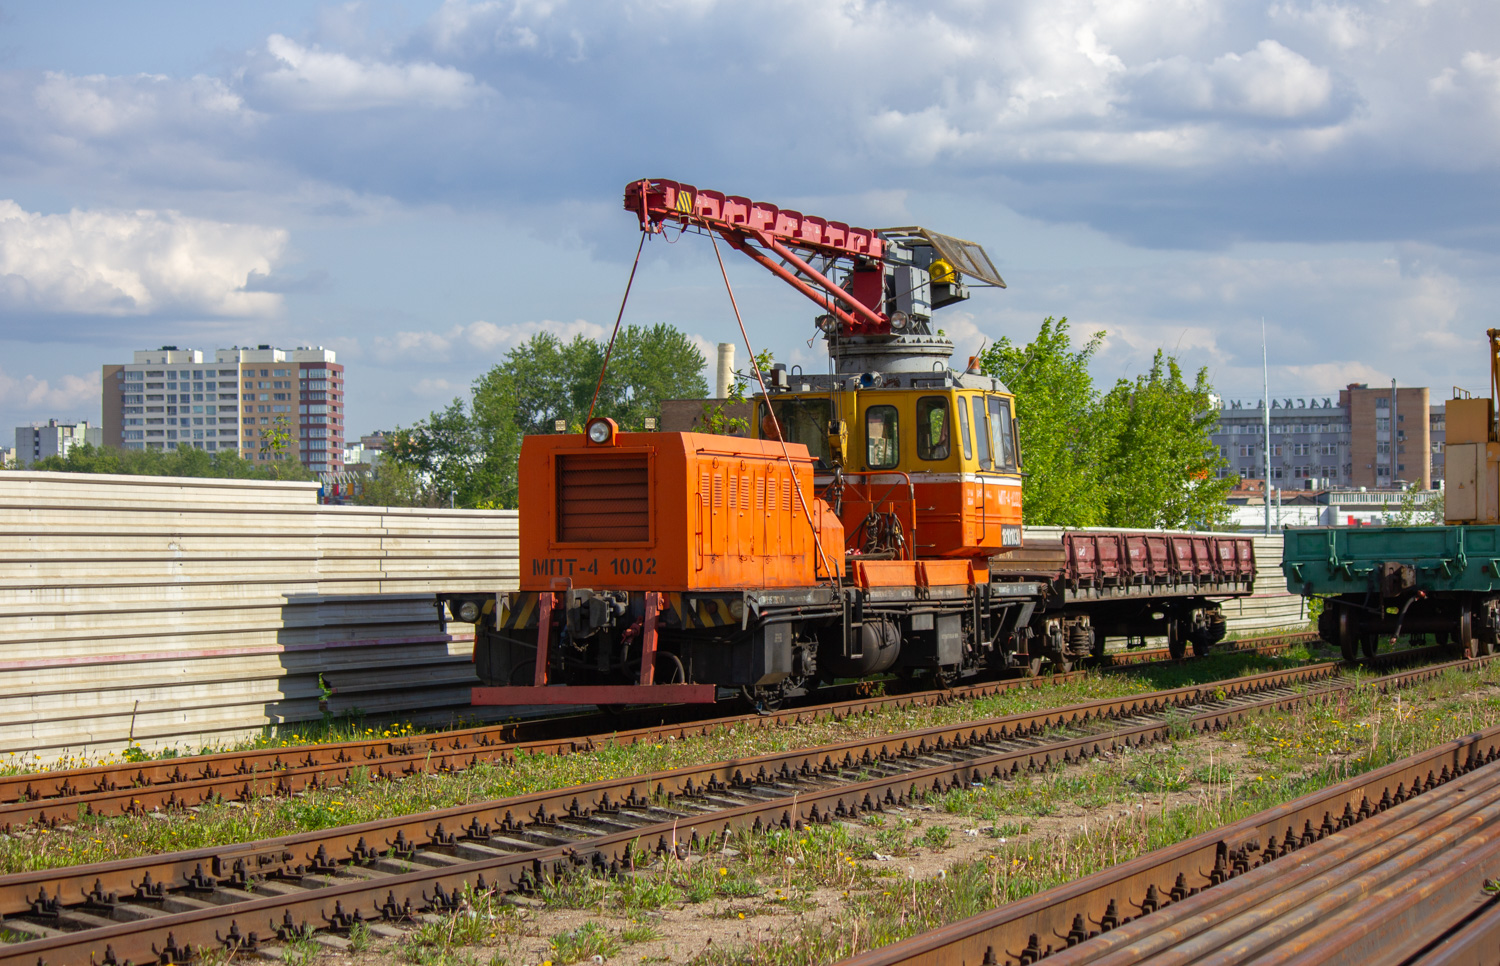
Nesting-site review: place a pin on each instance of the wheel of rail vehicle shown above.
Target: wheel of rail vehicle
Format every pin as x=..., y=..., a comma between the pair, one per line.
x=1177, y=639
x=1098, y=649
x=1033, y=667
x=1369, y=643
x=1465, y=629
x=1348, y=635
x=1487, y=629
x=764, y=699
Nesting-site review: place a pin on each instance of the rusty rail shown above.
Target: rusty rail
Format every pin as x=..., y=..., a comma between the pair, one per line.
x=1371, y=883
x=423, y=861
x=61, y=796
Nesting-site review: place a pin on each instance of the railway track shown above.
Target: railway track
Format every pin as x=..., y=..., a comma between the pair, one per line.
x=135, y=787
x=1390, y=867
x=244, y=896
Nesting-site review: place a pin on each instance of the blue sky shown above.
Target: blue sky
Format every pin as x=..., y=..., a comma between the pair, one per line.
x=420, y=186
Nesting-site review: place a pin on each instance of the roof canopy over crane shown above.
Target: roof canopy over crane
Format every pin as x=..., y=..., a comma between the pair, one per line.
x=892, y=278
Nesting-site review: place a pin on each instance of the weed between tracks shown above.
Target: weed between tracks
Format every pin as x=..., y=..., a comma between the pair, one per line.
x=785, y=898
x=95, y=839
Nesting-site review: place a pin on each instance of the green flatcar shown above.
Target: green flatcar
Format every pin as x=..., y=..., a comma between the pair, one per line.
x=1385, y=581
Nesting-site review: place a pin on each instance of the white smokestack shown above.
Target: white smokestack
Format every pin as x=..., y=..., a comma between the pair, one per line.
x=726, y=370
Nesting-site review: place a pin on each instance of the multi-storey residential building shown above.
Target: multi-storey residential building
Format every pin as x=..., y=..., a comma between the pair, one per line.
x=252, y=401
x=52, y=438
x=1320, y=443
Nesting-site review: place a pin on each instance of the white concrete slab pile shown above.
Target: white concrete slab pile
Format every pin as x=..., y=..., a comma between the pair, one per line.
x=194, y=612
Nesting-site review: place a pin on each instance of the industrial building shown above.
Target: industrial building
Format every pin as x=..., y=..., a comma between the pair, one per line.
x=1348, y=442
x=238, y=401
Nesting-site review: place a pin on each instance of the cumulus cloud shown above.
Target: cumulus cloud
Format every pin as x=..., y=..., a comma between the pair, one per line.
x=66, y=394
x=97, y=106
x=1269, y=81
x=133, y=263
x=308, y=78
x=462, y=341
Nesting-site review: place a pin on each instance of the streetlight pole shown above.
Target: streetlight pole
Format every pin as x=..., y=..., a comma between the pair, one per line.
x=1266, y=376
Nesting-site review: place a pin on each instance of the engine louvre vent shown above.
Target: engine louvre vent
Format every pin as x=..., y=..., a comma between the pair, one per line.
x=603, y=497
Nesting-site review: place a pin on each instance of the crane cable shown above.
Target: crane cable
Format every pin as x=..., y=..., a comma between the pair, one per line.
x=611, y=348
x=775, y=423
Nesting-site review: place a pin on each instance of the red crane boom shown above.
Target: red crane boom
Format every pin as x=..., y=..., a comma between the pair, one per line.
x=774, y=237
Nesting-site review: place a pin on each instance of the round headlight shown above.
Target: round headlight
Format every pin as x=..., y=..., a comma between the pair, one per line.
x=599, y=432
x=468, y=612
x=737, y=609
x=827, y=323
x=899, y=321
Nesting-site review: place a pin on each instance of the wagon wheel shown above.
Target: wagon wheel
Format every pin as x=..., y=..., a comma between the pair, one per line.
x=764, y=700
x=1033, y=667
x=1489, y=627
x=1440, y=638
x=1176, y=640
x=1098, y=649
x=1466, y=629
x=1348, y=635
x=1200, y=648
x=1369, y=643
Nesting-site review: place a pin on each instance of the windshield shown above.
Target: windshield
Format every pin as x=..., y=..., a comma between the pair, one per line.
x=803, y=420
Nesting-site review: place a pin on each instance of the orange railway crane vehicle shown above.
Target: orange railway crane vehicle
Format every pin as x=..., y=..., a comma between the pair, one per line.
x=871, y=526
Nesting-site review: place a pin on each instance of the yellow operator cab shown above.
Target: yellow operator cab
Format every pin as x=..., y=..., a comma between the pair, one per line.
x=944, y=457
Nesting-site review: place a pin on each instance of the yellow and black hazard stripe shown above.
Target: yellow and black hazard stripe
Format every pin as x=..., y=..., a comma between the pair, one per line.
x=693, y=613
x=518, y=611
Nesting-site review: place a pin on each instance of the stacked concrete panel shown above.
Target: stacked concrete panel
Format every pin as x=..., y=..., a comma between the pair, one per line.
x=1270, y=607
x=186, y=611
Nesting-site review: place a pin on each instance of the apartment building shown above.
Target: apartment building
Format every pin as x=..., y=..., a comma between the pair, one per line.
x=252, y=401
x=52, y=438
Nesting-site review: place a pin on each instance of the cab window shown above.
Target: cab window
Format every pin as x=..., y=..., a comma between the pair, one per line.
x=963, y=429
x=1002, y=443
x=802, y=421
x=982, y=433
x=932, y=428
x=882, y=444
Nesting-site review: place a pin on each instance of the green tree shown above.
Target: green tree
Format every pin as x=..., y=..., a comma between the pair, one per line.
x=391, y=483
x=182, y=461
x=1057, y=412
x=716, y=415
x=1138, y=456
x=1161, y=468
x=471, y=449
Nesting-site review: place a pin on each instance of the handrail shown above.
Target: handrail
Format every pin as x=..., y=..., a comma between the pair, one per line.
x=911, y=491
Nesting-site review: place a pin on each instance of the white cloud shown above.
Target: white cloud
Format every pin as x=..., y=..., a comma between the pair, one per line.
x=461, y=341
x=97, y=106
x=1341, y=25
x=72, y=394
x=1269, y=81
x=133, y=263
x=311, y=79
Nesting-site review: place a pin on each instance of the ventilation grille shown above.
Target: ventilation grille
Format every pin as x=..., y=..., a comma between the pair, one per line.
x=603, y=498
